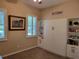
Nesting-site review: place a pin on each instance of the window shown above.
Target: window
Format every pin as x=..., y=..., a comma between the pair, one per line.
x=2, y=29
x=32, y=21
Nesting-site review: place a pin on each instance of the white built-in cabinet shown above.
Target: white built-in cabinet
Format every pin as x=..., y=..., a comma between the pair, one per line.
x=73, y=38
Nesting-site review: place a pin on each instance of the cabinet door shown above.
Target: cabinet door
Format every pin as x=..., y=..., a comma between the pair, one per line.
x=77, y=52
x=71, y=51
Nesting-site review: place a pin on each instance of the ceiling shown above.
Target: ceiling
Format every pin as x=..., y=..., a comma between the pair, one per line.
x=45, y=3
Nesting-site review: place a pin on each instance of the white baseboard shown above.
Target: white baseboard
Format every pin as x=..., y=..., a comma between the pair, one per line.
x=19, y=51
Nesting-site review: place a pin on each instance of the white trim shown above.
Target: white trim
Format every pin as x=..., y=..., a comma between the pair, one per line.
x=5, y=22
x=19, y=51
x=4, y=39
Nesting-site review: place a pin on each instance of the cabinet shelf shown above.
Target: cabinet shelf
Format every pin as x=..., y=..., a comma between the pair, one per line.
x=74, y=39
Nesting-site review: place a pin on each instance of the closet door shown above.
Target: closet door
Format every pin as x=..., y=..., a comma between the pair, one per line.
x=60, y=36
x=55, y=36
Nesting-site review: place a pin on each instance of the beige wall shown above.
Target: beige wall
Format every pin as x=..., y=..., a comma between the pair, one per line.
x=17, y=40
x=70, y=9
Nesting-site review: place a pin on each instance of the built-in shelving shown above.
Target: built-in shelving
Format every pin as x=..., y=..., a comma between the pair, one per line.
x=73, y=31
x=73, y=38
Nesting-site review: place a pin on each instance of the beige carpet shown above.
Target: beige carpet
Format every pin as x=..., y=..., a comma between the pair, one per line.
x=36, y=53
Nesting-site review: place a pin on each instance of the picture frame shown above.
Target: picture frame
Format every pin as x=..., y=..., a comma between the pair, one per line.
x=16, y=23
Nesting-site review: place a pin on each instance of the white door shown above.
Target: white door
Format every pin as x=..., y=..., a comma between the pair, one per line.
x=55, y=36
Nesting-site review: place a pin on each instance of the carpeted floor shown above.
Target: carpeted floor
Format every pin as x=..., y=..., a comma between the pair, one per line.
x=36, y=53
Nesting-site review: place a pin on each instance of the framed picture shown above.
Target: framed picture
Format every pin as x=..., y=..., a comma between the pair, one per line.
x=16, y=22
